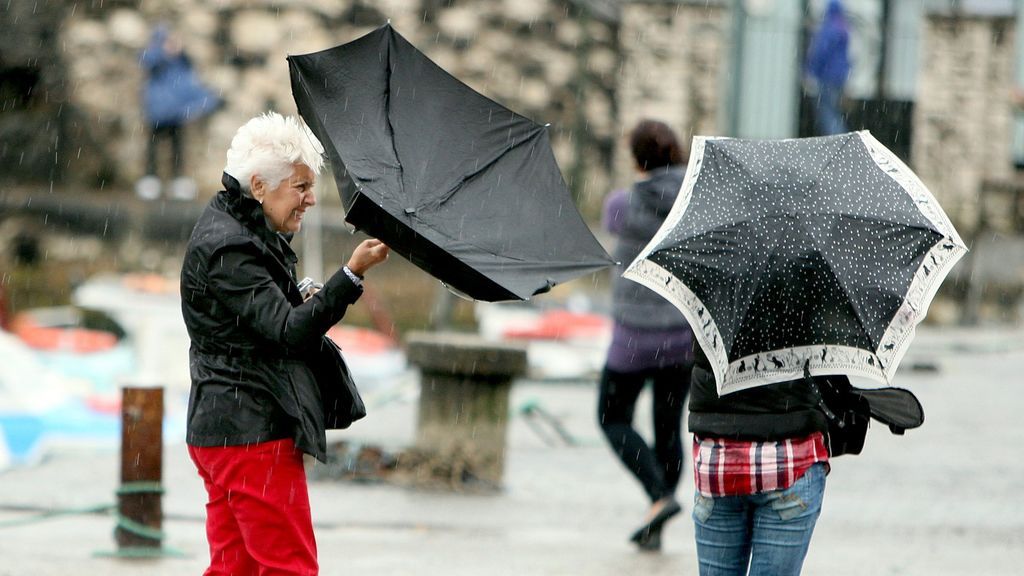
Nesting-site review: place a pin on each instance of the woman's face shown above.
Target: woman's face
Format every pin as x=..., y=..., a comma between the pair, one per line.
x=285, y=205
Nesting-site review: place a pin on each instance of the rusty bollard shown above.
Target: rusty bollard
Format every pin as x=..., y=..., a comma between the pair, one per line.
x=139, y=498
x=464, y=402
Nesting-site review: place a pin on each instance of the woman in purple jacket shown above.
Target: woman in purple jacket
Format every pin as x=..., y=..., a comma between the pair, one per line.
x=651, y=341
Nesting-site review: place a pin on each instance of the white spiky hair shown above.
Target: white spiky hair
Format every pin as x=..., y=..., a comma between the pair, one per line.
x=268, y=146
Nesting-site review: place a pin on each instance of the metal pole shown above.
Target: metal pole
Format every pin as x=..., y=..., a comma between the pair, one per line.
x=739, y=23
x=1017, y=149
x=883, y=53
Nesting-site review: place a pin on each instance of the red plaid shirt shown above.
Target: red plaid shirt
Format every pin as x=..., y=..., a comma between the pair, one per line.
x=723, y=467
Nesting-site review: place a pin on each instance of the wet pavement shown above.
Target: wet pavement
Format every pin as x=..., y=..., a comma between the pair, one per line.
x=943, y=500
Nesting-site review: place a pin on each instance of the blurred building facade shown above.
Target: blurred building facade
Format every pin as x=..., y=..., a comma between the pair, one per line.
x=930, y=78
x=590, y=68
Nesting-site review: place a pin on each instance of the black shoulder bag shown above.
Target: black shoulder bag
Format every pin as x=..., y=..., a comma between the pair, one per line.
x=848, y=414
x=849, y=410
x=342, y=403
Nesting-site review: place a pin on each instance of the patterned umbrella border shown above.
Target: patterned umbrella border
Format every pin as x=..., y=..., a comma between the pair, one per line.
x=782, y=365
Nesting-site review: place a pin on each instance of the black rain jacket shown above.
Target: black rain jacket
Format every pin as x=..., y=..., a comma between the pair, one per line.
x=771, y=412
x=257, y=351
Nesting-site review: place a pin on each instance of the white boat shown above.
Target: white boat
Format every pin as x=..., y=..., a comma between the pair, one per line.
x=43, y=409
x=562, y=343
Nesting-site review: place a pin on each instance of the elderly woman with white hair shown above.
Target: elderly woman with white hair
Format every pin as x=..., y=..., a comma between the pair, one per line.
x=259, y=381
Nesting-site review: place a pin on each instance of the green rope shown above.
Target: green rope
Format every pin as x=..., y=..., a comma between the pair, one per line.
x=47, y=514
x=533, y=408
x=142, y=552
x=141, y=487
x=132, y=526
x=123, y=523
x=139, y=529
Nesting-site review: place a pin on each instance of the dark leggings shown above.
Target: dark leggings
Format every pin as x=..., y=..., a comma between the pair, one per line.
x=660, y=468
x=170, y=132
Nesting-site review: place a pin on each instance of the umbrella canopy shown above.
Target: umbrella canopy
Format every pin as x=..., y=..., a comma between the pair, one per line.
x=464, y=188
x=784, y=254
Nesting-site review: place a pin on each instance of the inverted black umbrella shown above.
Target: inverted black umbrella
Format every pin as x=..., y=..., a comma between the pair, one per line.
x=464, y=188
x=784, y=254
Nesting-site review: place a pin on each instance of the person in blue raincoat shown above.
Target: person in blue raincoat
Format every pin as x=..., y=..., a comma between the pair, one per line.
x=828, y=65
x=172, y=97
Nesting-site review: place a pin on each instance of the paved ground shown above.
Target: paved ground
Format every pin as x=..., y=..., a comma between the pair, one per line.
x=943, y=500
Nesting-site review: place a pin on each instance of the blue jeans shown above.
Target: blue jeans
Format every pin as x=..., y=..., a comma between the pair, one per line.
x=827, y=114
x=770, y=532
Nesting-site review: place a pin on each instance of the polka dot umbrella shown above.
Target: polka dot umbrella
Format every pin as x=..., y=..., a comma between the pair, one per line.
x=821, y=253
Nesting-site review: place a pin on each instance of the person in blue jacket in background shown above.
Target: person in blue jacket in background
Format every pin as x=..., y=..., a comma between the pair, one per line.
x=828, y=66
x=172, y=97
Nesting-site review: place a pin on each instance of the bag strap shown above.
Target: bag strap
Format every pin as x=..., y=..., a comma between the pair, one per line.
x=904, y=415
x=817, y=393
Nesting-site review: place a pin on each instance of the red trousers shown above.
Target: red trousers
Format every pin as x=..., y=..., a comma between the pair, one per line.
x=257, y=516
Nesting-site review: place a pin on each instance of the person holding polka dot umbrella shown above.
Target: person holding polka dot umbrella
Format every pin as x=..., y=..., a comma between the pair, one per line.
x=799, y=263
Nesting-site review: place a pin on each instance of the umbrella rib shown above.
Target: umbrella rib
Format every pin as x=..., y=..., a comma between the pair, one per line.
x=839, y=283
x=817, y=181
x=758, y=277
x=565, y=263
x=391, y=127
x=831, y=160
x=441, y=233
x=863, y=218
x=490, y=162
x=743, y=167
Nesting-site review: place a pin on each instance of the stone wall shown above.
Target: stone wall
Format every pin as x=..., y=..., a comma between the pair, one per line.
x=555, y=61
x=672, y=64
x=589, y=68
x=32, y=90
x=963, y=117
